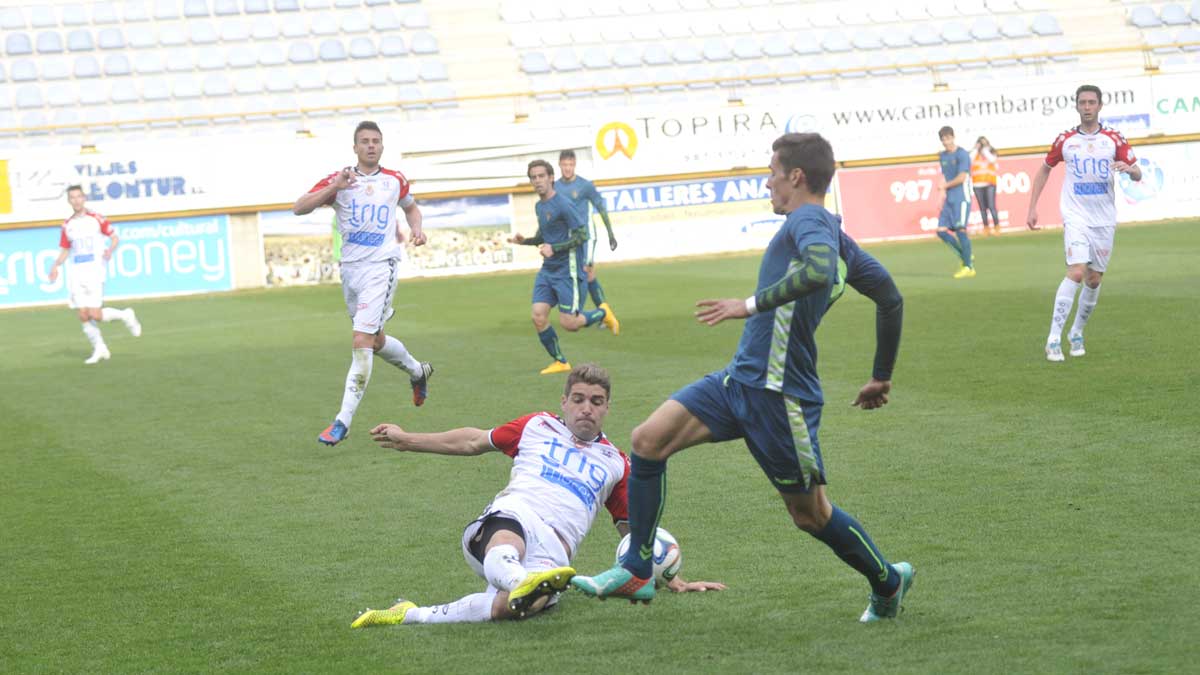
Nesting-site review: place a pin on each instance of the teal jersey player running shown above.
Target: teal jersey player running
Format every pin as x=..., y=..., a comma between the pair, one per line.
x=770, y=394
x=561, y=280
x=583, y=195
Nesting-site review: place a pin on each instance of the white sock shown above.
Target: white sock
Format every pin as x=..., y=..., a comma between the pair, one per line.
x=393, y=352
x=1087, y=304
x=113, y=314
x=92, y=331
x=502, y=567
x=473, y=608
x=1063, y=300
x=356, y=383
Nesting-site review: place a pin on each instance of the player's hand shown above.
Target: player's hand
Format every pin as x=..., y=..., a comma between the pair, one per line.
x=612, y=243
x=418, y=237
x=546, y=250
x=1031, y=220
x=517, y=238
x=713, y=312
x=53, y=275
x=874, y=394
x=345, y=178
x=388, y=436
x=678, y=585
x=1121, y=167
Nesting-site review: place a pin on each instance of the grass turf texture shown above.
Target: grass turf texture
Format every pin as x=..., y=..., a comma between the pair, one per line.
x=171, y=509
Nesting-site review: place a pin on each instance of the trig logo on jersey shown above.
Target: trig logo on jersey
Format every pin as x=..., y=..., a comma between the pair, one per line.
x=378, y=215
x=616, y=137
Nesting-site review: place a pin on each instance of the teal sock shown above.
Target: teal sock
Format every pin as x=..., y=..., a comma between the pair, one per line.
x=951, y=241
x=964, y=245
x=596, y=291
x=850, y=542
x=647, y=494
x=550, y=341
x=594, y=316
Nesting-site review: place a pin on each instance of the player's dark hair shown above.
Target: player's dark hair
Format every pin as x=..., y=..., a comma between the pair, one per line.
x=946, y=131
x=367, y=125
x=539, y=162
x=810, y=153
x=589, y=373
x=566, y=154
x=1089, y=87
x=70, y=188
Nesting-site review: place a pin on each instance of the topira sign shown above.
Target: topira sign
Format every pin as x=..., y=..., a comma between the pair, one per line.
x=861, y=123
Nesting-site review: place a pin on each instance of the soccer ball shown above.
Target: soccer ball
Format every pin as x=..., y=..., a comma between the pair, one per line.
x=667, y=557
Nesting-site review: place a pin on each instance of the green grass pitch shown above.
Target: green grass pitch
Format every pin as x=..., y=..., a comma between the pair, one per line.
x=170, y=510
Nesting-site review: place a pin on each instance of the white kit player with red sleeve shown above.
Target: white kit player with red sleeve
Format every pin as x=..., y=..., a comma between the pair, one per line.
x=85, y=241
x=85, y=238
x=1091, y=154
x=558, y=479
x=1088, y=200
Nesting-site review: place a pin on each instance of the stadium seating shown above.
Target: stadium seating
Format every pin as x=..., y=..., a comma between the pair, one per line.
x=267, y=61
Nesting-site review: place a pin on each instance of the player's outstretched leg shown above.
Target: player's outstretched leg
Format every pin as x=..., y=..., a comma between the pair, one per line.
x=384, y=617
x=99, y=349
x=889, y=607
x=617, y=582
x=356, y=384
x=537, y=585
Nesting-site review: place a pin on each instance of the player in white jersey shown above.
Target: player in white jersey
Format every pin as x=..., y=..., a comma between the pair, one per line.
x=1093, y=155
x=366, y=198
x=83, y=241
x=564, y=469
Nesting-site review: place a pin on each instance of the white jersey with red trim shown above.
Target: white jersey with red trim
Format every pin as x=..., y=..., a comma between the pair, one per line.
x=86, y=235
x=1089, y=190
x=367, y=214
x=562, y=479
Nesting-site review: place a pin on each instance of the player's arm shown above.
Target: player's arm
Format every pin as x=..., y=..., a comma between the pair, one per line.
x=323, y=193
x=62, y=258
x=535, y=240
x=870, y=278
x=1035, y=193
x=598, y=202
x=577, y=232
x=816, y=266
x=1126, y=162
x=412, y=215
x=465, y=441
x=113, y=240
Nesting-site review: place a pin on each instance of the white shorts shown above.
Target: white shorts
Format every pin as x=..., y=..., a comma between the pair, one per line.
x=543, y=549
x=368, y=288
x=86, y=291
x=1091, y=245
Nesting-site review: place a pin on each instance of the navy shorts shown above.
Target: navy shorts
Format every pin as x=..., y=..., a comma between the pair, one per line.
x=780, y=431
x=954, y=215
x=560, y=290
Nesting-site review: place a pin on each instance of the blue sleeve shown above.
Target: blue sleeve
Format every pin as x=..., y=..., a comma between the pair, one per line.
x=869, y=277
x=964, y=163
x=594, y=197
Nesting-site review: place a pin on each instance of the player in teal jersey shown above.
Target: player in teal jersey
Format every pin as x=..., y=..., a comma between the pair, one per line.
x=582, y=194
x=560, y=238
x=770, y=394
x=952, y=221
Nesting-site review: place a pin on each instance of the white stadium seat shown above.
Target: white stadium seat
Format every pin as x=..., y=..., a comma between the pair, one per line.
x=12, y=18
x=392, y=45
x=104, y=13
x=86, y=66
x=116, y=65
x=49, y=42
x=362, y=48
x=226, y=8
x=80, y=41
x=55, y=68
x=29, y=96
x=24, y=70
x=234, y=30
x=148, y=63
x=43, y=17
x=271, y=55
x=166, y=9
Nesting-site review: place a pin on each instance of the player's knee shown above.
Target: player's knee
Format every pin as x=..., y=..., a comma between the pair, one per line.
x=570, y=322
x=1075, y=274
x=647, y=443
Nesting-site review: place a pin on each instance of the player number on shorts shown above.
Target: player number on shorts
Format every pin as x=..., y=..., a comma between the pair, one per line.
x=911, y=190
